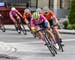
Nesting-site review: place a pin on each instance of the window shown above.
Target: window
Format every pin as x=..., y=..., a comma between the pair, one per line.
x=61, y=3
x=33, y=3
x=16, y=2
x=51, y=4
x=2, y=4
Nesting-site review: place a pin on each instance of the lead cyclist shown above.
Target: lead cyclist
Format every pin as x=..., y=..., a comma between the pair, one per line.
x=37, y=20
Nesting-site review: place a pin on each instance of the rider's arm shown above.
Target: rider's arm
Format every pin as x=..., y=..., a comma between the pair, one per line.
x=10, y=15
x=46, y=21
x=19, y=13
x=25, y=20
x=54, y=17
x=32, y=24
x=43, y=18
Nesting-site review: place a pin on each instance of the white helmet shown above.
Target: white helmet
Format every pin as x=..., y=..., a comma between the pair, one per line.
x=39, y=10
x=27, y=11
x=13, y=8
x=45, y=9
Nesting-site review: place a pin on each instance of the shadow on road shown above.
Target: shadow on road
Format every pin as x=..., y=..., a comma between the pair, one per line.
x=7, y=57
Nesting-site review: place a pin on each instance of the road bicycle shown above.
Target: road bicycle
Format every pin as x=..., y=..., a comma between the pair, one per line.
x=49, y=43
x=21, y=27
x=58, y=41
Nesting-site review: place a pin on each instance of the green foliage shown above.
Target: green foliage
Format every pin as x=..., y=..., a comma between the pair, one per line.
x=65, y=23
x=71, y=15
x=71, y=26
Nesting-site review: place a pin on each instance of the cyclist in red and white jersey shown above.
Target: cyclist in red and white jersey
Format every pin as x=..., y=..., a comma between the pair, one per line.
x=50, y=16
x=27, y=16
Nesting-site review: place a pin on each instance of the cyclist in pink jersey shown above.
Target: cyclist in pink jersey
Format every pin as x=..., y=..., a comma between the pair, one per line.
x=37, y=20
x=14, y=16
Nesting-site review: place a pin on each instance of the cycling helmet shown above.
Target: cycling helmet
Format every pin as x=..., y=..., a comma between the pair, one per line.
x=38, y=10
x=45, y=9
x=35, y=15
x=27, y=11
x=13, y=8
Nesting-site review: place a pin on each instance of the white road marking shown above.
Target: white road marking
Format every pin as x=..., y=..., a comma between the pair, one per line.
x=68, y=39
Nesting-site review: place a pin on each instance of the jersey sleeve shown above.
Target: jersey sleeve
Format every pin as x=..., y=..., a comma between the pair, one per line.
x=32, y=22
x=24, y=16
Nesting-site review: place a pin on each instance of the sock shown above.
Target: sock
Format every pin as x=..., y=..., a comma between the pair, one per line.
x=43, y=38
x=54, y=41
x=60, y=40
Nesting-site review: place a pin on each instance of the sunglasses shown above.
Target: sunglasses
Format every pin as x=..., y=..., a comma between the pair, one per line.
x=46, y=12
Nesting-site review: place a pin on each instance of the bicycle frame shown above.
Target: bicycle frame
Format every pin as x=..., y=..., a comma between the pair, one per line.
x=49, y=43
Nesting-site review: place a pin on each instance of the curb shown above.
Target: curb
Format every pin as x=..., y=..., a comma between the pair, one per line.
x=63, y=31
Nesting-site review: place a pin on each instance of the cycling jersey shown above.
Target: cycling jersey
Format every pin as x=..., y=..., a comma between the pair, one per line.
x=34, y=22
x=49, y=15
x=13, y=13
x=27, y=16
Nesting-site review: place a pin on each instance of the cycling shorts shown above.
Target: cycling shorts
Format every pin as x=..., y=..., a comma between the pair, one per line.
x=43, y=25
x=52, y=22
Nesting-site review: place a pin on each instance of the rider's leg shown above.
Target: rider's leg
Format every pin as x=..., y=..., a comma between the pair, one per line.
x=47, y=26
x=55, y=28
x=15, y=23
x=38, y=32
x=51, y=35
x=59, y=35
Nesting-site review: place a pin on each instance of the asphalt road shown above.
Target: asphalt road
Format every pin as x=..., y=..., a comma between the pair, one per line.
x=29, y=48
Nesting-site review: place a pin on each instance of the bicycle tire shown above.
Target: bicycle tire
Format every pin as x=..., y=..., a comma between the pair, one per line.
x=23, y=29
x=50, y=46
x=61, y=47
x=51, y=43
x=57, y=39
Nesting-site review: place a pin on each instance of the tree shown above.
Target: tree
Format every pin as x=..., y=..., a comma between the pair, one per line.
x=71, y=15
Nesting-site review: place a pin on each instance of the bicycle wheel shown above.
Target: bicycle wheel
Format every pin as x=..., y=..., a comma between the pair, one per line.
x=23, y=29
x=58, y=41
x=60, y=47
x=50, y=42
x=50, y=45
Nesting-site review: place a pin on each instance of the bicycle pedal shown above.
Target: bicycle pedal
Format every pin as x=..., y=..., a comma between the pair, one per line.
x=45, y=44
x=62, y=44
x=25, y=33
x=19, y=32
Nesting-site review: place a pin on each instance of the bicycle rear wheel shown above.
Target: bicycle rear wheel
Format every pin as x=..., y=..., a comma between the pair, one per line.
x=23, y=29
x=58, y=41
x=50, y=42
x=50, y=45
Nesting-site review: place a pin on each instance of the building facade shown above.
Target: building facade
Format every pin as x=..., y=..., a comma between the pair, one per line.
x=60, y=7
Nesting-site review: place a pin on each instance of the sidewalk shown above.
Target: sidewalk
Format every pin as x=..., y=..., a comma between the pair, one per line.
x=63, y=31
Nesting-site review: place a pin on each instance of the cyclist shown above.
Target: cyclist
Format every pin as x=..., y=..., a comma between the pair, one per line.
x=50, y=16
x=14, y=16
x=27, y=16
x=37, y=20
x=39, y=10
